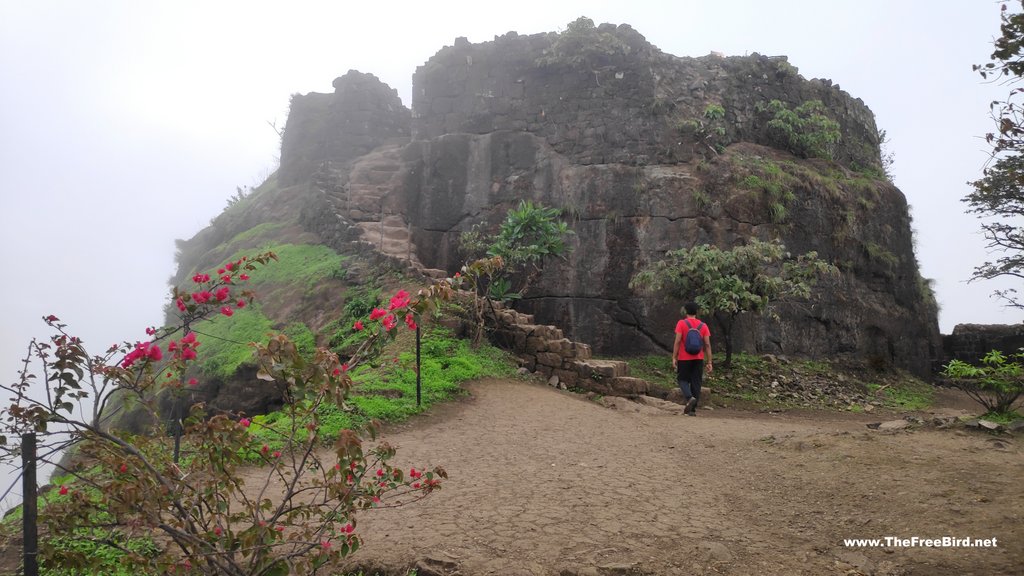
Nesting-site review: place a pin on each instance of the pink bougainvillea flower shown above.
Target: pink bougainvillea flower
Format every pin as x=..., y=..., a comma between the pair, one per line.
x=277, y=454
x=416, y=485
x=202, y=297
x=336, y=372
x=220, y=271
x=399, y=300
x=123, y=468
x=358, y=325
x=227, y=311
x=325, y=544
x=172, y=345
x=458, y=274
x=245, y=422
x=189, y=338
x=181, y=304
x=229, y=266
x=377, y=314
x=52, y=318
x=240, y=303
x=410, y=321
x=265, y=449
x=376, y=499
x=150, y=331
x=390, y=322
x=218, y=530
x=222, y=293
x=192, y=382
x=243, y=277
x=200, y=278
x=344, y=367
x=63, y=490
x=348, y=528
x=279, y=528
x=188, y=354
x=226, y=278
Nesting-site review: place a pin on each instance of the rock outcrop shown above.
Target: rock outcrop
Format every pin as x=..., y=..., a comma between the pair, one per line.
x=644, y=152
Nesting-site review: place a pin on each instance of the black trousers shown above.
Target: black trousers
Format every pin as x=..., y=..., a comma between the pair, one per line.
x=689, y=377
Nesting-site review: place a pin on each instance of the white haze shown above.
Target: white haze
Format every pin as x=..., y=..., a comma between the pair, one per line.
x=129, y=124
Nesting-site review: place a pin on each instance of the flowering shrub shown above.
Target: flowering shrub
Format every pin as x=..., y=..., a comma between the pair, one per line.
x=296, y=514
x=996, y=384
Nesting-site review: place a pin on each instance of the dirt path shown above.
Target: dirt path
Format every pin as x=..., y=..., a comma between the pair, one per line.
x=544, y=482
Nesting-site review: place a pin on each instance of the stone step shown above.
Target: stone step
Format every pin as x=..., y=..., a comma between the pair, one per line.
x=601, y=369
x=628, y=386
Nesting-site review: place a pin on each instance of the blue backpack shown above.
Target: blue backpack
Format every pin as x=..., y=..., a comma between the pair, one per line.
x=693, y=343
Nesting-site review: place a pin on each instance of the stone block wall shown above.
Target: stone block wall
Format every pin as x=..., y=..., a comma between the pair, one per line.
x=544, y=350
x=969, y=342
x=623, y=106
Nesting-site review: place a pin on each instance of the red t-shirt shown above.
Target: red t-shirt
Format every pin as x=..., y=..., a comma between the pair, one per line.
x=682, y=327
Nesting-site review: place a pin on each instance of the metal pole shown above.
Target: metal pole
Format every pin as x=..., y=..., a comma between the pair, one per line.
x=417, y=365
x=30, y=513
x=176, y=411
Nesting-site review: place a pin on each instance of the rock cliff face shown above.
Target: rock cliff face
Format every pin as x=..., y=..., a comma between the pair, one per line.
x=618, y=134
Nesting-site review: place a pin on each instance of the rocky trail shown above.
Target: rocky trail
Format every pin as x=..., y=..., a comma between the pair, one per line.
x=546, y=482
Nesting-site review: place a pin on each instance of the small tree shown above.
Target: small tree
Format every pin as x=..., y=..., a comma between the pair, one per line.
x=502, y=267
x=297, y=516
x=996, y=384
x=999, y=194
x=727, y=283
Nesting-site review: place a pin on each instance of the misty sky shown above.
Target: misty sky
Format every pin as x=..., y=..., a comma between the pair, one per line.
x=128, y=124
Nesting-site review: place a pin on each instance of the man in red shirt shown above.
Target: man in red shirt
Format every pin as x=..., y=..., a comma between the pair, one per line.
x=691, y=348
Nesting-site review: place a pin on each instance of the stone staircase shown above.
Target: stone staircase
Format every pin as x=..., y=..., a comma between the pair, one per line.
x=545, y=350
x=368, y=196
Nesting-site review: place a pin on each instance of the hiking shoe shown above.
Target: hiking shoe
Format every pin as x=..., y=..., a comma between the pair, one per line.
x=690, y=407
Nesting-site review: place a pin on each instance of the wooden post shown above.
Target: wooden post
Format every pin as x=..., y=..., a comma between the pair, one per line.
x=30, y=512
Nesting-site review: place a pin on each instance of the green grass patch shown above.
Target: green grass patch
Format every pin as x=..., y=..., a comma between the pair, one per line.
x=225, y=340
x=109, y=557
x=905, y=395
x=385, y=390
x=302, y=337
x=264, y=229
x=1003, y=418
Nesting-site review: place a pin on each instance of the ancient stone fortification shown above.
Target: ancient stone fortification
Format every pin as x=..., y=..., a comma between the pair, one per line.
x=616, y=133
x=969, y=342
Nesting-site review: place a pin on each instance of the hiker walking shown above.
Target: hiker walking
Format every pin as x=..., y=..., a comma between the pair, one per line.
x=689, y=352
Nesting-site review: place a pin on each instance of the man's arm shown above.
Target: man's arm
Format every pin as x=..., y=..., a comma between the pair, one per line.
x=675, y=349
x=707, y=352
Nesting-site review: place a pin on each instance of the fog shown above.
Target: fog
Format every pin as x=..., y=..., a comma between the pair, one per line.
x=127, y=124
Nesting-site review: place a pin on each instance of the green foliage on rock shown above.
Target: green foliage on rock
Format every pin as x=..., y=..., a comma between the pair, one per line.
x=529, y=234
x=806, y=131
x=708, y=131
x=727, y=283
